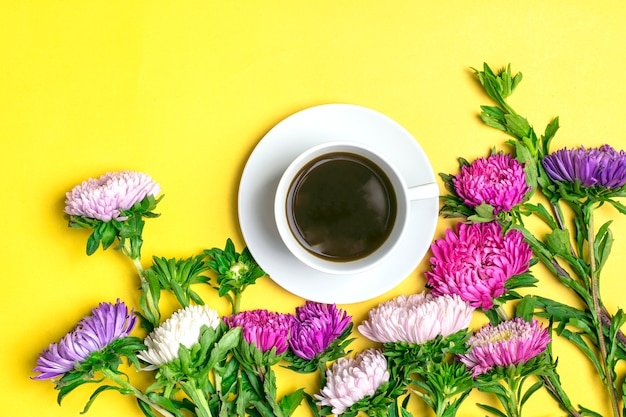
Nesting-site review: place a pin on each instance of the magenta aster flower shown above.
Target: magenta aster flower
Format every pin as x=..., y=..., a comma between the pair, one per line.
x=498, y=180
x=315, y=327
x=352, y=379
x=416, y=318
x=105, y=197
x=476, y=261
x=509, y=343
x=107, y=323
x=604, y=166
x=264, y=329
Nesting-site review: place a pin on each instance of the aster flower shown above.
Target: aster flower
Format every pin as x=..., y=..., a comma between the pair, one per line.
x=352, y=379
x=265, y=330
x=509, y=343
x=416, y=318
x=498, y=181
x=108, y=323
x=107, y=197
x=182, y=328
x=604, y=166
x=475, y=262
x=315, y=328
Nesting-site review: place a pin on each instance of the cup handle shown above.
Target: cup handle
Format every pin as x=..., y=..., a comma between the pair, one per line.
x=423, y=191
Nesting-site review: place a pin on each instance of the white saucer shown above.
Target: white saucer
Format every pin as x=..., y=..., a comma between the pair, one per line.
x=285, y=141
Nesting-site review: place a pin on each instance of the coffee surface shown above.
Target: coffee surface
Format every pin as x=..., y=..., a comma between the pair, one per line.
x=341, y=207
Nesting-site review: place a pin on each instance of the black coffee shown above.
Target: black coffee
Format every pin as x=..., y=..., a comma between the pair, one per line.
x=341, y=207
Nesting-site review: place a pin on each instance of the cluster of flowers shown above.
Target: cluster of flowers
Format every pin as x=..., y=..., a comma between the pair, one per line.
x=423, y=342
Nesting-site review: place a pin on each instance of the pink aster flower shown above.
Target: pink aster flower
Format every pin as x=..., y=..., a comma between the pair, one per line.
x=498, y=180
x=604, y=166
x=352, y=379
x=264, y=329
x=315, y=327
x=416, y=318
x=509, y=343
x=107, y=323
x=105, y=197
x=475, y=261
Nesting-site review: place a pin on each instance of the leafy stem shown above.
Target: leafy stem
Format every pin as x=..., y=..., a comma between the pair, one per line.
x=129, y=388
x=597, y=311
x=151, y=309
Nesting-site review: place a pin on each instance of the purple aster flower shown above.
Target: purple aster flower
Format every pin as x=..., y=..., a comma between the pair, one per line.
x=476, y=261
x=107, y=323
x=315, y=327
x=105, y=197
x=416, y=318
x=264, y=329
x=498, y=180
x=604, y=166
x=352, y=379
x=509, y=343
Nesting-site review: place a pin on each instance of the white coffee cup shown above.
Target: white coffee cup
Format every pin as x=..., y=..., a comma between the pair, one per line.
x=312, y=253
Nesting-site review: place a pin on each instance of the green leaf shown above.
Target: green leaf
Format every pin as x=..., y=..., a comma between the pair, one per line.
x=100, y=390
x=558, y=242
x=536, y=386
x=92, y=243
x=548, y=135
x=492, y=410
x=602, y=245
x=290, y=402
x=518, y=126
x=526, y=308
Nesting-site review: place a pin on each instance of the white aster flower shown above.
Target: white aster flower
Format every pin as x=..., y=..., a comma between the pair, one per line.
x=416, y=318
x=182, y=328
x=352, y=379
x=103, y=198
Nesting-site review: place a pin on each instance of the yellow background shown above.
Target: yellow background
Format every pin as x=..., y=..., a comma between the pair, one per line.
x=183, y=90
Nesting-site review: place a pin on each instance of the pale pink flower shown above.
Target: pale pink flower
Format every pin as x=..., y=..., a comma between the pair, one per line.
x=352, y=379
x=416, y=318
x=475, y=261
x=498, y=180
x=105, y=197
x=509, y=343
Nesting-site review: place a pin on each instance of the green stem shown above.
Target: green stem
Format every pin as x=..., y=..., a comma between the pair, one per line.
x=513, y=408
x=442, y=407
x=597, y=315
x=321, y=366
x=236, y=302
x=199, y=399
x=502, y=314
x=123, y=383
x=145, y=286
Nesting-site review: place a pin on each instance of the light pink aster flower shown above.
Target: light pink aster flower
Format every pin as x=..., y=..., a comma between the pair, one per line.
x=416, y=318
x=352, y=379
x=509, y=343
x=105, y=197
x=475, y=261
x=498, y=180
